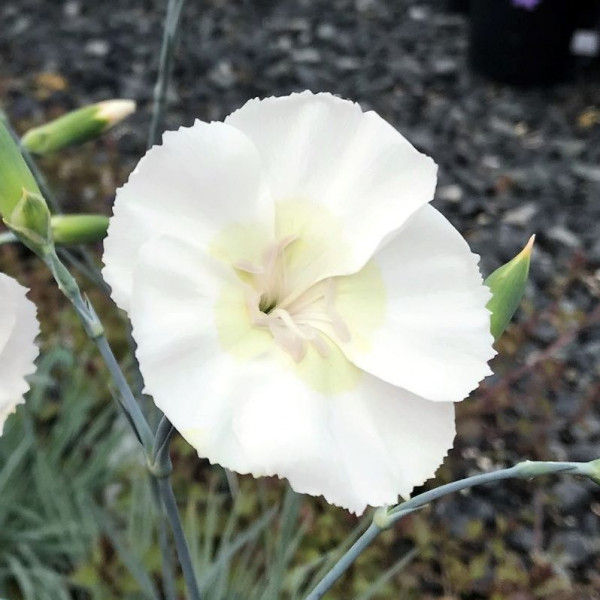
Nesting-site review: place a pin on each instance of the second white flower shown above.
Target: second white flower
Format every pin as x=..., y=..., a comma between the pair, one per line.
x=18, y=351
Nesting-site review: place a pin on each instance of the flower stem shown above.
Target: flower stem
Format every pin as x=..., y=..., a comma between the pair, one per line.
x=160, y=452
x=524, y=470
x=345, y=561
x=183, y=552
x=161, y=468
x=172, y=21
x=86, y=267
x=156, y=447
x=95, y=331
x=168, y=576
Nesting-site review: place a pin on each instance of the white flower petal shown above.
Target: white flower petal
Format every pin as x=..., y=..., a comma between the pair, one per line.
x=214, y=248
x=324, y=425
x=202, y=180
x=351, y=168
x=18, y=330
x=363, y=447
x=358, y=444
x=430, y=333
x=187, y=311
x=8, y=318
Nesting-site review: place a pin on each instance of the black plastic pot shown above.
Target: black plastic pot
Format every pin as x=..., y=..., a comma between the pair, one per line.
x=458, y=6
x=524, y=46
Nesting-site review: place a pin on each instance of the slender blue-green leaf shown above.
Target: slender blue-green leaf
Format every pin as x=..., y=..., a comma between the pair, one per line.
x=130, y=560
x=387, y=575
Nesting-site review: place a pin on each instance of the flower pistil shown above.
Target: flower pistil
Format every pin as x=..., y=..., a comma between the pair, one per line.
x=294, y=317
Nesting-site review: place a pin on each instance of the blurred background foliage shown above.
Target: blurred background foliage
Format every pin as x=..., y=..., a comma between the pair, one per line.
x=76, y=517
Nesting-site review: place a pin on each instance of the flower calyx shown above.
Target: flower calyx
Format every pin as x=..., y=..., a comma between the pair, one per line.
x=30, y=222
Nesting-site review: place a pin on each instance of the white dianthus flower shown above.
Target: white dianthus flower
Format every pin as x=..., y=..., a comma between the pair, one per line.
x=299, y=308
x=18, y=351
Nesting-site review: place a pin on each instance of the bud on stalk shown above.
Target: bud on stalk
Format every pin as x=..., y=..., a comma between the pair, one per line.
x=78, y=229
x=77, y=126
x=507, y=284
x=15, y=175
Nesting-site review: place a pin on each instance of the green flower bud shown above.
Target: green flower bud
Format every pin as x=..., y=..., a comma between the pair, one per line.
x=14, y=174
x=507, y=284
x=78, y=229
x=30, y=222
x=77, y=126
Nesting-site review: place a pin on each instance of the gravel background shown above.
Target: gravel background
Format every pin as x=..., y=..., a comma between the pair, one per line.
x=512, y=162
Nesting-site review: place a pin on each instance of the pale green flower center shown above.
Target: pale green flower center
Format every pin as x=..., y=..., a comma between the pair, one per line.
x=282, y=299
x=296, y=318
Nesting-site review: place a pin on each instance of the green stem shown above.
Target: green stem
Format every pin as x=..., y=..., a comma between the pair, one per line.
x=164, y=433
x=165, y=66
x=90, y=271
x=86, y=268
x=95, y=331
x=183, y=552
x=168, y=574
x=386, y=519
x=161, y=468
x=129, y=402
x=345, y=561
x=524, y=470
x=156, y=447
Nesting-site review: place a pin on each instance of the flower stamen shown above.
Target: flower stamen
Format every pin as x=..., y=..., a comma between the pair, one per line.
x=295, y=318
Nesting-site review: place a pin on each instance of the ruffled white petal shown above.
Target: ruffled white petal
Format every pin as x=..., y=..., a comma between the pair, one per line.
x=351, y=169
x=431, y=332
x=201, y=181
x=18, y=330
x=190, y=323
x=363, y=447
x=327, y=427
x=346, y=388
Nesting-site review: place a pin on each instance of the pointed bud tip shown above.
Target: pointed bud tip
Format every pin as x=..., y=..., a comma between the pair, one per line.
x=113, y=111
x=528, y=247
x=507, y=284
